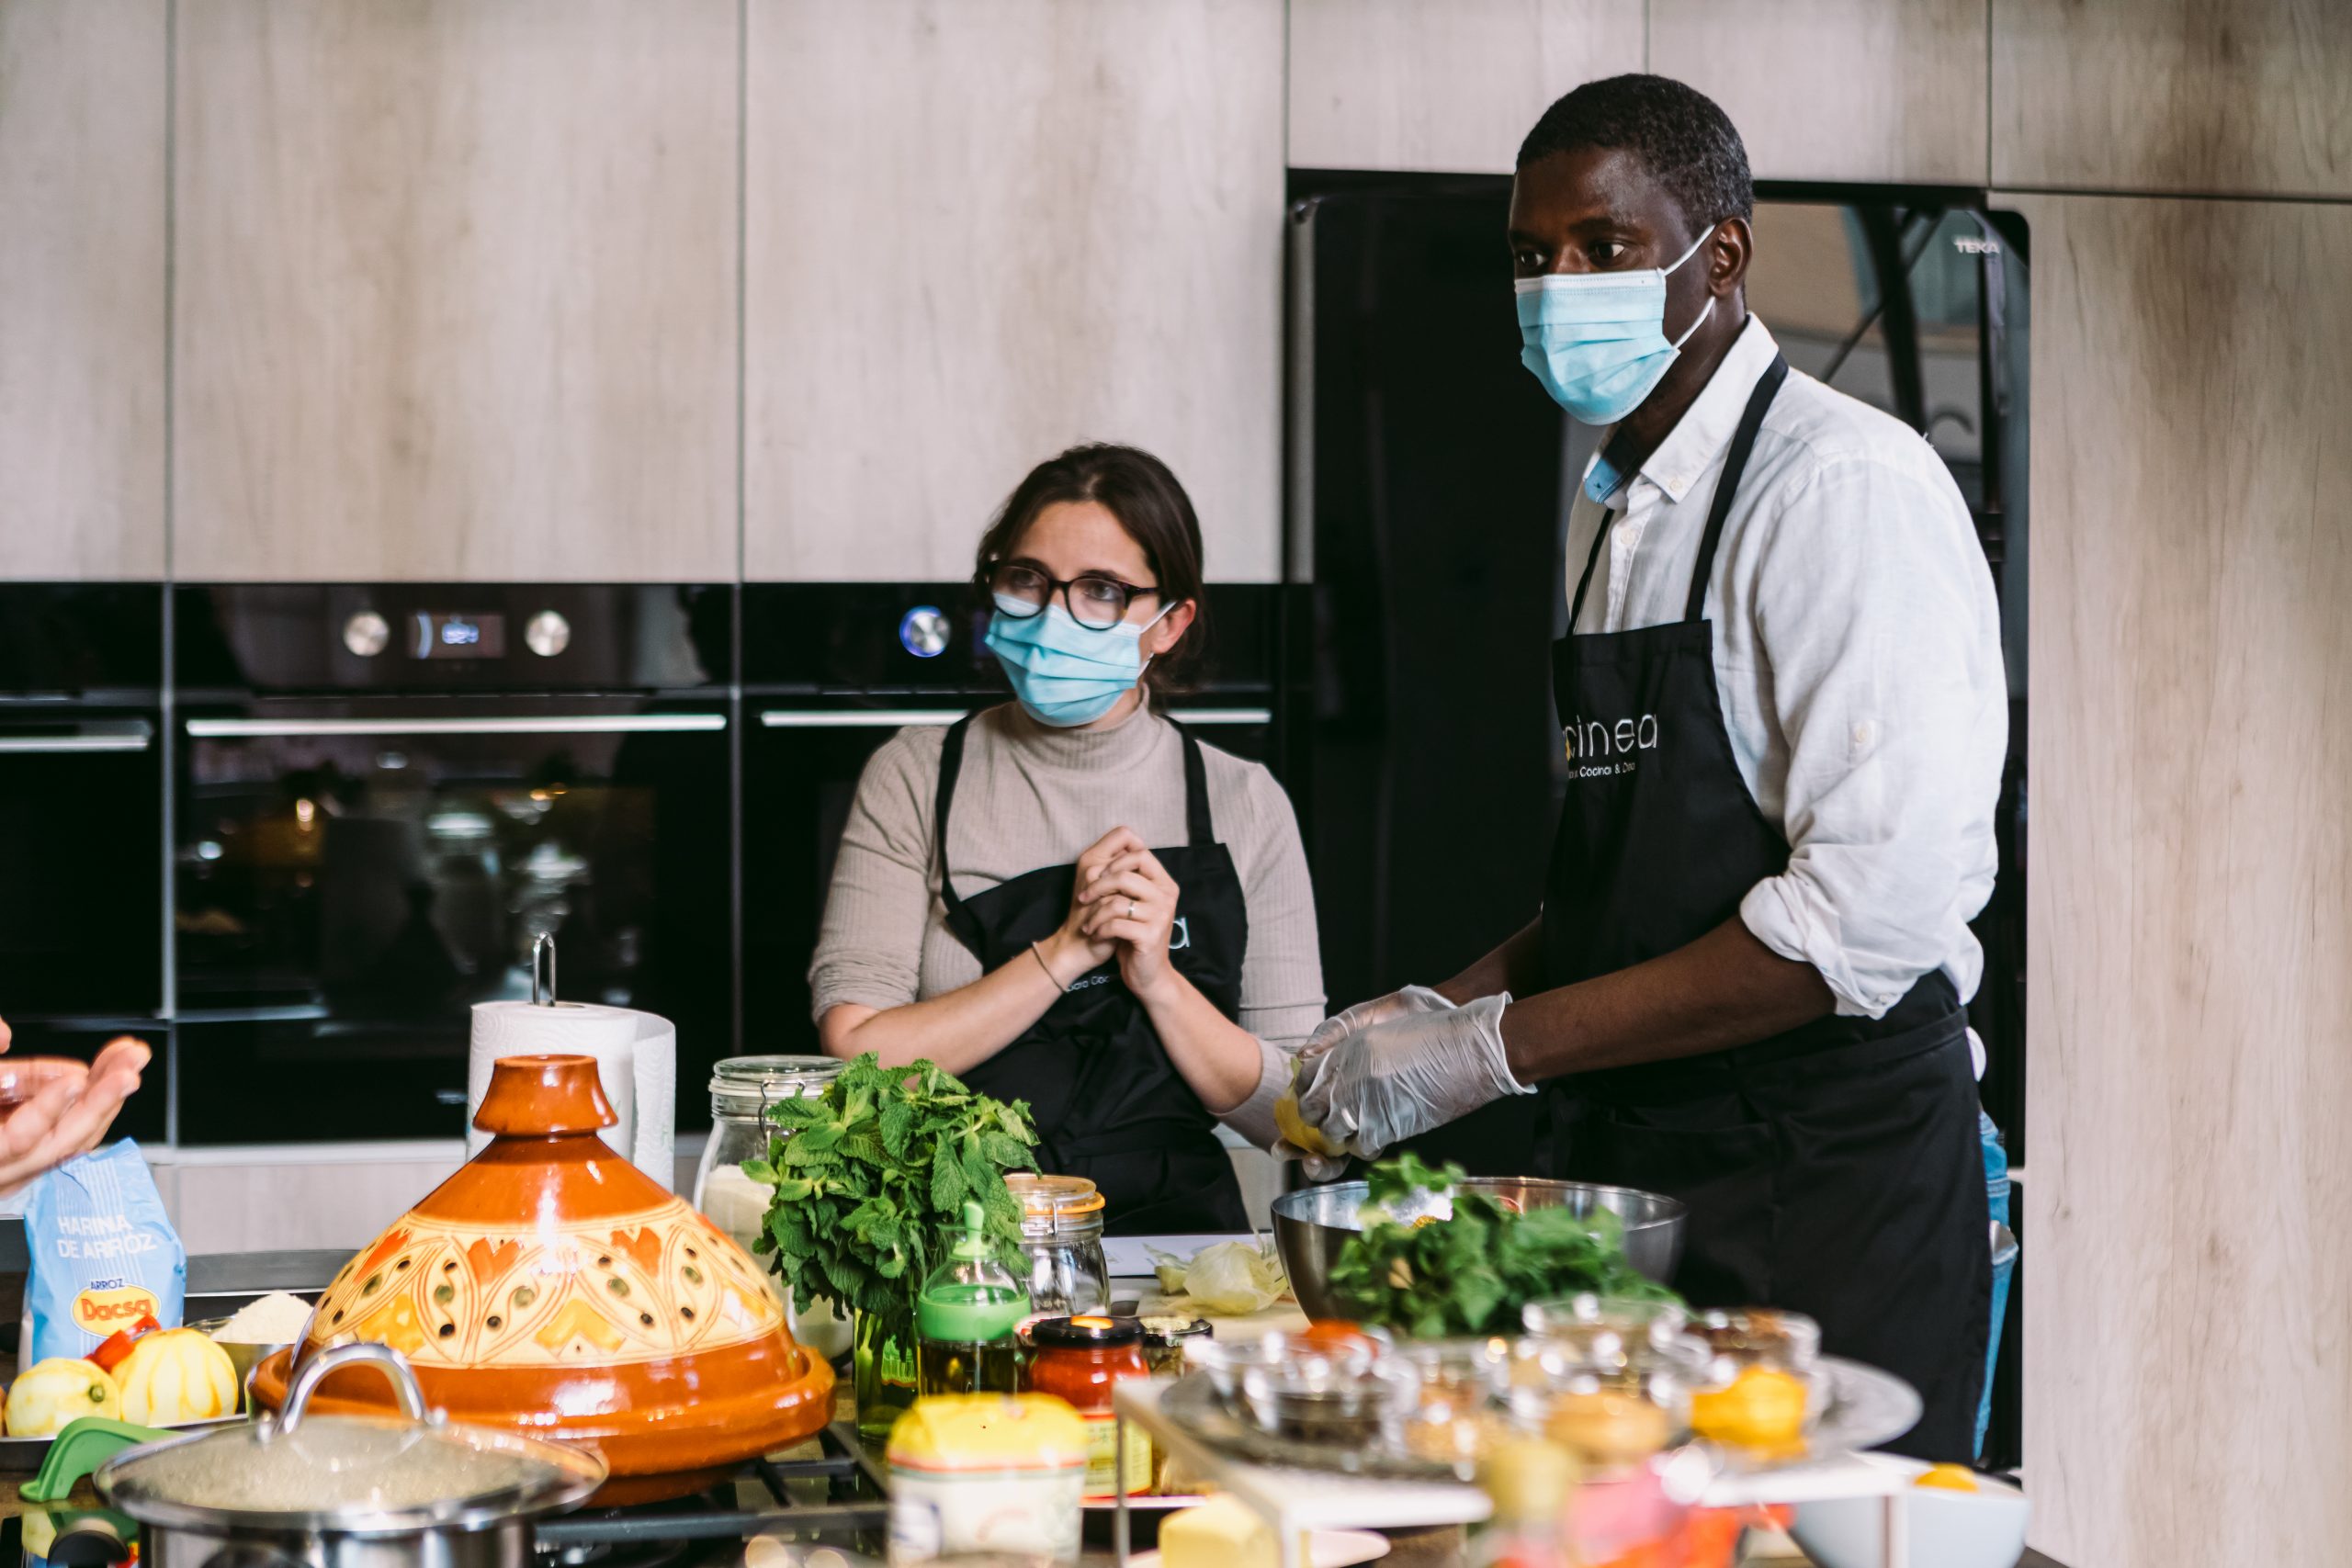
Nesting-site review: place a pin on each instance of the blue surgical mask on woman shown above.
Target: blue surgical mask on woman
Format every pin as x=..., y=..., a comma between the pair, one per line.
x=1067, y=674
x=1597, y=340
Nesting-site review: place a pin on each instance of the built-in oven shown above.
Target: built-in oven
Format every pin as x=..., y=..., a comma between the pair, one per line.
x=386, y=793
x=82, y=812
x=831, y=670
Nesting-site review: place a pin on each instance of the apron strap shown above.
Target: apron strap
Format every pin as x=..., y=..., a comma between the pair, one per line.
x=1200, y=831
x=1743, y=440
x=1576, y=604
x=951, y=762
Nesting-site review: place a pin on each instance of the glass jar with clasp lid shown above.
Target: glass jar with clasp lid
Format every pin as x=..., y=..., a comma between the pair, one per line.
x=1061, y=1237
x=743, y=1092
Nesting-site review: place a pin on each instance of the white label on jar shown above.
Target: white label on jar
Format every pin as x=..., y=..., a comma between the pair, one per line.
x=1025, y=1514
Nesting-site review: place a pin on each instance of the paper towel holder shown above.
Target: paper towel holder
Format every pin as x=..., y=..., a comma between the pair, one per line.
x=543, y=946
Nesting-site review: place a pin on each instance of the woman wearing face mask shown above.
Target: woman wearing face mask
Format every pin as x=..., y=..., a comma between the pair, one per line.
x=1067, y=899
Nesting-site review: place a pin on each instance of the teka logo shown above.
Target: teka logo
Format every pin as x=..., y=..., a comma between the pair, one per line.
x=1585, y=739
x=103, y=1311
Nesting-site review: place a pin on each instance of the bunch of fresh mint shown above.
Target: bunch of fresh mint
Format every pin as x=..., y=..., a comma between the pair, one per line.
x=871, y=1177
x=1471, y=1274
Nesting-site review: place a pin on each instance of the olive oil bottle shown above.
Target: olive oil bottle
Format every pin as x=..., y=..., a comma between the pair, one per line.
x=965, y=1318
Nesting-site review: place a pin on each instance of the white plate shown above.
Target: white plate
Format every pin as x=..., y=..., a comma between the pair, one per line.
x=1325, y=1549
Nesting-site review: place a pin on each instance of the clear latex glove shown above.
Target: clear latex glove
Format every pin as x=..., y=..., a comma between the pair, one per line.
x=1416, y=1071
x=1363, y=1015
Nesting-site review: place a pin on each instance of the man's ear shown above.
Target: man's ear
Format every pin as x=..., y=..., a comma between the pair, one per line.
x=1729, y=250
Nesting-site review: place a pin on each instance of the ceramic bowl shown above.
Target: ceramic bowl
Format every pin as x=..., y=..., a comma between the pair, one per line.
x=1984, y=1528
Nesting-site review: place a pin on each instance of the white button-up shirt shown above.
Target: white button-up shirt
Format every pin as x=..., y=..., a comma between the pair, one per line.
x=1858, y=653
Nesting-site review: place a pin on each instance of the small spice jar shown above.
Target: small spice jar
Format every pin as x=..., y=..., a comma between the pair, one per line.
x=1163, y=1341
x=1061, y=1237
x=1081, y=1359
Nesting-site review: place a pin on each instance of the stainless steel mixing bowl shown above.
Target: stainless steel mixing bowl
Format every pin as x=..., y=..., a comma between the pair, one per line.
x=1311, y=1224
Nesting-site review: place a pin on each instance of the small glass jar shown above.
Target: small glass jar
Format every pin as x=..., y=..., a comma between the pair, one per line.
x=1061, y=1235
x=743, y=1092
x=1081, y=1359
x=1164, y=1338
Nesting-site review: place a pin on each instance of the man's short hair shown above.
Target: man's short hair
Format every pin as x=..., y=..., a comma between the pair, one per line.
x=1683, y=138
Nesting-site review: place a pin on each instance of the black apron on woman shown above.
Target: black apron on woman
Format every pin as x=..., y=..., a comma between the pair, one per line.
x=1833, y=1170
x=1108, y=1103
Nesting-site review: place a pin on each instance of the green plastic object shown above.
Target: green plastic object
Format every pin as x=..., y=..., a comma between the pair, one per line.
x=87, y=1442
x=971, y=1299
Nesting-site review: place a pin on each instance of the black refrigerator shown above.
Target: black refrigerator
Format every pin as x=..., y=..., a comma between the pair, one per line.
x=1430, y=479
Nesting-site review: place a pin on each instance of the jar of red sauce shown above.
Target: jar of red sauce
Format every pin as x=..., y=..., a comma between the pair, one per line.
x=1080, y=1360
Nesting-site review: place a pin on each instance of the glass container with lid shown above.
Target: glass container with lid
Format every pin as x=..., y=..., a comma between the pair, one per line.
x=1061, y=1237
x=1081, y=1359
x=966, y=1318
x=743, y=1092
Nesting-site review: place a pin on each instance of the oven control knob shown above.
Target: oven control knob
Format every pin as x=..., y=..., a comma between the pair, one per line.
x=547, y=635
x=923, y=632
x=366, y=634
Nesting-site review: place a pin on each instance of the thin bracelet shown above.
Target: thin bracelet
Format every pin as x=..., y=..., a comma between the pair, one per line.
x=1039, y=954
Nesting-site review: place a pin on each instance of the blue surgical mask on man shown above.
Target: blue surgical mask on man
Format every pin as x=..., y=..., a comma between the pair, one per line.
x=1597, y=340
x=1064, y=673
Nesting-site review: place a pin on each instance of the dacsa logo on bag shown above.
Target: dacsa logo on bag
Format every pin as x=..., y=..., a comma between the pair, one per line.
x=103, y=1311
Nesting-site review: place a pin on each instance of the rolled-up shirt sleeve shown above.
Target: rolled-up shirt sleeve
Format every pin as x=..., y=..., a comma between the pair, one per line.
x=869, y=944
x=1282, y=972
x=1875, y=615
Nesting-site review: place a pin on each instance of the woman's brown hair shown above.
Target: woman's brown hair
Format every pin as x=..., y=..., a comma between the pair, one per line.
x=1140, y=492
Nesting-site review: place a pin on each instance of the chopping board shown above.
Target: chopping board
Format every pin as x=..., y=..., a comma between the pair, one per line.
x=1283, y=1314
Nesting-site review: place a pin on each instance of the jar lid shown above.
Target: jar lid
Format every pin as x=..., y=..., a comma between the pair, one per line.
x=776, y=1077
x=1085, y=1333
x=1054, y=1197
x=988, y=1433
x=1174, y=1328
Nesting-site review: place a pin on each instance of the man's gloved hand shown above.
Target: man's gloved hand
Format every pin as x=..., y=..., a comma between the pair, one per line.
x=1324, y=1158
x=1415, y=1071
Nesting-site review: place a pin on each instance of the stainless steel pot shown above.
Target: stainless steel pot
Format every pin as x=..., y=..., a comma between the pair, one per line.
x=1312, y=1224
x=300, y=1491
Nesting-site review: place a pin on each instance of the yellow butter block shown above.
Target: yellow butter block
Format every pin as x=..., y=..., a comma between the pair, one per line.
x=1220, y=1533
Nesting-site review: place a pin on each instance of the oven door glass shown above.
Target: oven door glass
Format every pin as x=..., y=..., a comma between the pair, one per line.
x=352, y=877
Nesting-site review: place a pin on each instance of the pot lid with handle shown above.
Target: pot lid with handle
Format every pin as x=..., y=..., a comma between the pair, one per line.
x=362, y=1475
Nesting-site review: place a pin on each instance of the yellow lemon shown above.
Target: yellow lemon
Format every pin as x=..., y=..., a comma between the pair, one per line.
x=174, y=1377
x=1948, y=1477
x=1297, y=1132
x=57, y=1391
x=1763, y=1409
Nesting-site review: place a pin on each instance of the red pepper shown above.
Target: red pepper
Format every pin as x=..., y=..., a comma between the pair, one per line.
x=118, y=1345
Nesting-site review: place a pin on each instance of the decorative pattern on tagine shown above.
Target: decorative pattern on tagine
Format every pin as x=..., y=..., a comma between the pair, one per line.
x=645, y=1287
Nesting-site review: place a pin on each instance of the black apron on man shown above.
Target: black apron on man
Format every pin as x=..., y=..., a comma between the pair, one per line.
x=1833, y=1170
x=1108, y=1103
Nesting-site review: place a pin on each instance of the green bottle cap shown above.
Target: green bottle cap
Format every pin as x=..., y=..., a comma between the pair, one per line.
x=974, y=1245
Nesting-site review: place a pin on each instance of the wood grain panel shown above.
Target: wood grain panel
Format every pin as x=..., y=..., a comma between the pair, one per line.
x=978, y=230
x=2246, y=98
x=2187, y=1387
x=82, y=282
x=456, y=289
x=1443, y=84
x=1837, y=89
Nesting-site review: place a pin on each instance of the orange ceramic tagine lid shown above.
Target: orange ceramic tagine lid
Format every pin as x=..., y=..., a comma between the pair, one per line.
x=552, y=1287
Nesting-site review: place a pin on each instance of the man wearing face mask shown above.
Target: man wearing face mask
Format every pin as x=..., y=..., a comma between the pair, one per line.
x=1783, y=718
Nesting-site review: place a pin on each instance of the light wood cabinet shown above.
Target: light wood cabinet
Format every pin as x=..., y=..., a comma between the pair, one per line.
x=83, y=88
x=978, y=230
x=456, y=289
x=2251, y=97
x=2188, y=1250
x=1886, y=90
x=1452, y=85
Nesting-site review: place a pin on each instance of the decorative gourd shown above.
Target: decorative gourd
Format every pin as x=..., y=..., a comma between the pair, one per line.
x=57, y=1391
x=175, y=1376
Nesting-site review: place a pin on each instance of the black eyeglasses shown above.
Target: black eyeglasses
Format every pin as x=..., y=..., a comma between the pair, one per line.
x=1095, y=599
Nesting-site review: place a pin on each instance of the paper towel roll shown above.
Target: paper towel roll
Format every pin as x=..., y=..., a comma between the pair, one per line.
x=637, y=1062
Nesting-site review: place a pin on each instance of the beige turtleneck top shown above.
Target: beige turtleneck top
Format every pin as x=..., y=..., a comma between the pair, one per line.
x=1029, y=795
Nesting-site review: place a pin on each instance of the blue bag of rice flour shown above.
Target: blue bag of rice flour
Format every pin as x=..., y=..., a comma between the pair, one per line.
x=104, y=1254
